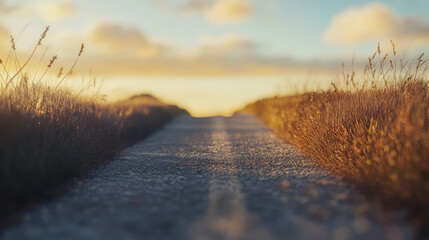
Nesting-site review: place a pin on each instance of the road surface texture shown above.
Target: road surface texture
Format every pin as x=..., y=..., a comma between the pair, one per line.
x=209, y=178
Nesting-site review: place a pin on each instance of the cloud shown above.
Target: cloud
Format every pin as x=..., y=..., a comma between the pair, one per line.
x=228, y=55
x=54, y=11
x=116, y=50
x=113, y=49
x=360, y=24
x=119, y=40
x=375, y=21
x=48, y=10
x=191, y=7
x=114, y=39
x=229, y=11
x=225, y=46
x=5, y=8
x=163, y=5
x=255, y=66
x=213, y=11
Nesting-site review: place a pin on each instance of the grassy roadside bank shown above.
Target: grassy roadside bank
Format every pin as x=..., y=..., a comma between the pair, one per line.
x=49, y=138
x=50, y=135
x=373, y=131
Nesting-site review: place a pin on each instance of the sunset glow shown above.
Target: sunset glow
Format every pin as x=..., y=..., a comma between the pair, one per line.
x=210, y=55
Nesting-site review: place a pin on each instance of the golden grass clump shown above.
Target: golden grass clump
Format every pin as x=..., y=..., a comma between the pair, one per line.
x=50, y=135
x=372, y=130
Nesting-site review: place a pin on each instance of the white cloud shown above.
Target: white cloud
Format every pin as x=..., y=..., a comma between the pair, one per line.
x=48, y=10
x=114, y=49
x=118, y=40
x=6, y=8
x=213, y=11
x=191, y=7
x=229, y=11
x=375, y=21
x=115, y=39
x=163, y=5
x=228, y=45
x=54, y=11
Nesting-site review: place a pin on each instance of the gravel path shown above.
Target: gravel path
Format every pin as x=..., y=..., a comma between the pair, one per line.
x=209, y=178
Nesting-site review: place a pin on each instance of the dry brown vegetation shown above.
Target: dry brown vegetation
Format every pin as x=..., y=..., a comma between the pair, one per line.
x=372, y=130
x=50, y=135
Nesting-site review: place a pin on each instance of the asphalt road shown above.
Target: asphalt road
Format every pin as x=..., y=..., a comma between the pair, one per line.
x=210, y=178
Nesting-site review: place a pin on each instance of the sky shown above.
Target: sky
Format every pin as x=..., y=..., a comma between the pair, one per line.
x=212, y=56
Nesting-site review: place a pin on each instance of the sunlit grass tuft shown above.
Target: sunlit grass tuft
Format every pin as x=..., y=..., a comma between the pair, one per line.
x=50, y=135
x=373, y=130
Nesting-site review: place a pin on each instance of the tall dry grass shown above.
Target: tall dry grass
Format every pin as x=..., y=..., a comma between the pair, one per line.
x=373, y=130
x=50, y=135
